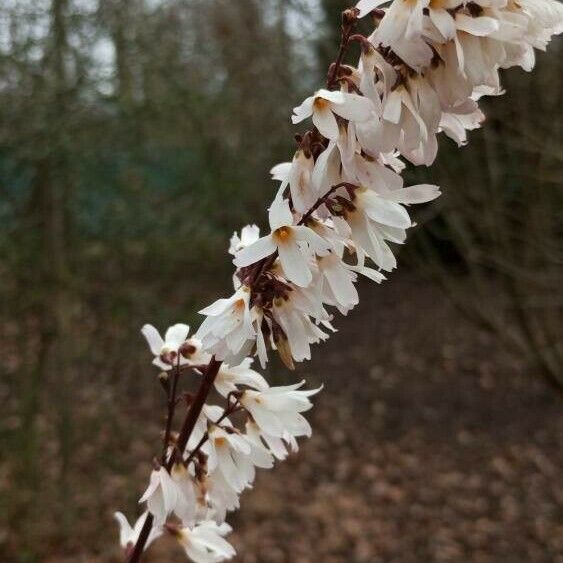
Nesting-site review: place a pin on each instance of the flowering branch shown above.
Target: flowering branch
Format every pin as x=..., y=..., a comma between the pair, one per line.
x=192, y=415
x=340, y=206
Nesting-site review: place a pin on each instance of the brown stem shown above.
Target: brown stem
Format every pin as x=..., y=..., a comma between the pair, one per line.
x=348, y=23
x=197, y=406
x=187, y=428
x=171, y=409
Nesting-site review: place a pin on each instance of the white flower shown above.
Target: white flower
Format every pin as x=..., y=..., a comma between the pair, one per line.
x=278, y=447
x=228, y=326
x=248, y=235
x=403, y=20
x=338, y=281
x=361, y=268
x=374, y=175
x=297, y=174
x=442, y=18
x=277, y=410
x=324, y=104
x=452, y=87
x=427, y=105
x=128, y=536
x=186, y=504
x=166, y=351
x=209, y=414
x=375, y=220
x=234, y=456
x=229, y=377
x=399, y=109
x=288, y=240
x=168, y=493
x=299, y=331
x=161, y=495
x=259, y=450
x=327, y=170
x=545, y=18
x=221, y=496
x=220, y=449
x=205, y=542
x=456, y=125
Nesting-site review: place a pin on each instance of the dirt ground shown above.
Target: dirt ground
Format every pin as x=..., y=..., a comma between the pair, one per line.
x=431, y=444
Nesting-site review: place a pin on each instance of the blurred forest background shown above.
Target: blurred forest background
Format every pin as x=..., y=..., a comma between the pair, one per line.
x=135, y=136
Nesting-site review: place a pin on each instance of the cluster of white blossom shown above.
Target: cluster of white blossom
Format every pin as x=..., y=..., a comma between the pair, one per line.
x=341, y=201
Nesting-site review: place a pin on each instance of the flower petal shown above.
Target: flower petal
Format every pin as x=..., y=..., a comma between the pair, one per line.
x=324, y=120
x=280, y=214
x=414, y=194
x=176, y=335
x=444, y=22
x=294, y=264
x=366, y=6
x=262, y=248
x=481, y=26
x=302, y=112
x=354, y=108
x=153, y=338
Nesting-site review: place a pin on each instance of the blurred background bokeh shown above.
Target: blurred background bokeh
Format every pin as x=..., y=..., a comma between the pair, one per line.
x=135, y=136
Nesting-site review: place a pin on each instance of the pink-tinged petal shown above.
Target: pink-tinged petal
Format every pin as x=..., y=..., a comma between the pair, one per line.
x=294, y=264
x=280, y=214
x=176, y=335
x=460, y=55
x=300, y=182
x=153, y=338
x=302, y=112
x=354, y=108
x=393, y=107
x=327, y=170
x=414, y=194
x=262, y=248
x=415, y=52
x=445, y=23
x=324, y=120
x=366, y=6
x=481, y=26
x=414, y=25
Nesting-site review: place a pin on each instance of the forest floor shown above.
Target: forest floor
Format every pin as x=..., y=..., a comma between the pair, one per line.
x=430, y=444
